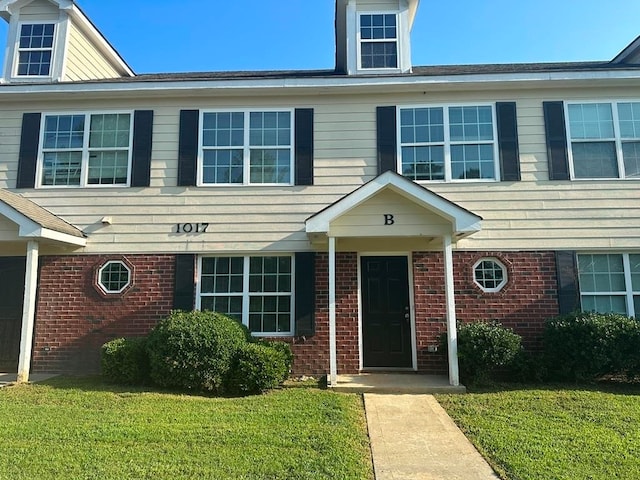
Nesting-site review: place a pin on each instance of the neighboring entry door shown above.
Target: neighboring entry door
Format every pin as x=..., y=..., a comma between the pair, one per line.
x=12, y=270
x=386, y=318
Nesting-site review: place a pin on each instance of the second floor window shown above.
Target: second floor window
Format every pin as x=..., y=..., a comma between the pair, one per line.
x=35, y=49
x=448, y=143
x=604, y=139
x=246, y=147
x=86, y=149
x=378, y=41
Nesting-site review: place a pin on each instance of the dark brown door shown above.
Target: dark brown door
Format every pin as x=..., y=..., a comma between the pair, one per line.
x=12, y=270
x=386, y=321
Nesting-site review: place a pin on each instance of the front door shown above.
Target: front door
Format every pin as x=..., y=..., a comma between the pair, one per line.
x=12, y=270
x=386, y=319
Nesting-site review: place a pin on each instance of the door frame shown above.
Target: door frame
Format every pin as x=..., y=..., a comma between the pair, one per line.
x=414, y=352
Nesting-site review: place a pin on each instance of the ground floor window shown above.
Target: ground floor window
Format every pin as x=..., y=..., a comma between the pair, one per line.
x=255, y=290
x=610, y=283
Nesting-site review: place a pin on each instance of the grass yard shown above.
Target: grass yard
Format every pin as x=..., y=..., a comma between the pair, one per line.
x=546, y=433
x=70, y=428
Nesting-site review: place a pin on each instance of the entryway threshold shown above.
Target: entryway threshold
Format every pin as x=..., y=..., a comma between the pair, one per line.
x=398, y=383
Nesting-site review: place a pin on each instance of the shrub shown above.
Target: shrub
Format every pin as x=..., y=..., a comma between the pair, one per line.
x=258, y=367
x=282, y=347
x=586, y=345
x=125, y=361
x=483, y=347
x=194, y=350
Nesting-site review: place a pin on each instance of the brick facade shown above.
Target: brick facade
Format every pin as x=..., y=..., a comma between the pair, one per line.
x=74, y=318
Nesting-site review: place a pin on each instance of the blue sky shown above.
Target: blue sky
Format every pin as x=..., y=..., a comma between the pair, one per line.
x=209, y=35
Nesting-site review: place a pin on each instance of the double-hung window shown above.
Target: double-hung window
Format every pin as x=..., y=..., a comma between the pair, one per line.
x=610, y=283
x=86, y=149
x=448, y=143
x=604, y=139
x=255, y=290
x=378, y=41
x=246, y=147
x=35, y=49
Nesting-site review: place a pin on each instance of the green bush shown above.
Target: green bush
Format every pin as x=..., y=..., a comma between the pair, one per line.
x=195, y=350
x=258, y=367
x=125, y=361
x=483, y=347
x=282, y=347
x=586, y=345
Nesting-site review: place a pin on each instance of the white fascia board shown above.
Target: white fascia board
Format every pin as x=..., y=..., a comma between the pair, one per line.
x=317, y=83
x=462, y=221
x=45, y=233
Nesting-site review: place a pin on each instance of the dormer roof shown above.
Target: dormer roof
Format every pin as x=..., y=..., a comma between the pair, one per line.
x=630, y=55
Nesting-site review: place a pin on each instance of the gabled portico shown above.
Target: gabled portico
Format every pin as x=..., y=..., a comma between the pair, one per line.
x=25, y=227
x=392, y=214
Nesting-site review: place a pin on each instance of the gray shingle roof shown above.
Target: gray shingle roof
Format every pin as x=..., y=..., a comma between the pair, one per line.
x=37, y=214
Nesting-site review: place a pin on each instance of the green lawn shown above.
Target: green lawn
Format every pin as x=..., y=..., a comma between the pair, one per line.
x=81, y=429
x=554, y=433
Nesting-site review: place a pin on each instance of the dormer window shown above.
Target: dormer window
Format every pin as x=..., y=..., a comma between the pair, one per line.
x=378, y=41
x=35, y=49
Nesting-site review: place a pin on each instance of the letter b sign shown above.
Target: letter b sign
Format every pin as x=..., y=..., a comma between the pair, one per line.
x=388, y=219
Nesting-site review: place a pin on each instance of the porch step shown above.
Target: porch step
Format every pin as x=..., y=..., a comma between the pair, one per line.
x=398, y=383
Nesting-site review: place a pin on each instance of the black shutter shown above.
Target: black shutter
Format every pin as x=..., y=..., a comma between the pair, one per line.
x=188, y=147
x=567, y=274
x=142, y=144
x=556, y=134
x=184, y=284
x=386, y=139
x=28, y=156
x=305, y=293
x=508, y=141
x=304, y=146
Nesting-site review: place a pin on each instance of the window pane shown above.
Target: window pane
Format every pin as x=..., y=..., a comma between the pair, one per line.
x=489, y=274
x=379, y=55
x=114, y=277
x=61, y=168
x=108, y=168
x=601, y=273
x=594, y=160
x=629, y=116
x=634, y=263
x=423, y=163
x=111, y=130
x=223, y=129
x=591, y=121
x=470, y=124
x=604, y=304
x=63, y=131
x=472, y=161
x=222, y=166
x=631, y=155
x=270, y=166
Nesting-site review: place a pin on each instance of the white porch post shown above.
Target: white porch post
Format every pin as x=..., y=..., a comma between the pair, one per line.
x=333, y=360
x=452, y=334
x=28, y=311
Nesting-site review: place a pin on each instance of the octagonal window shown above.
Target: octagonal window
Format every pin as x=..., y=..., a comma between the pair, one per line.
x=114, y=277
x=490, y=274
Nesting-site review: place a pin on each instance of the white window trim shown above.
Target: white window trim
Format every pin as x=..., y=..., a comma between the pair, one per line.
x=103, y=287
x=447, y=142
x=628, y=292
x=245, y=295
x=398, y=41
x=84, y=172
x=505, y=274
x=617, y=140
x=245, y=147
x=12, y=52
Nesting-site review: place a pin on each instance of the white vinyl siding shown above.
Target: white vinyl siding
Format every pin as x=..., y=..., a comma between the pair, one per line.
x=83, y=60
x=533, y=214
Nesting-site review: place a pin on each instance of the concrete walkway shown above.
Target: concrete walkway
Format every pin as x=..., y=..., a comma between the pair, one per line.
x=413, y=438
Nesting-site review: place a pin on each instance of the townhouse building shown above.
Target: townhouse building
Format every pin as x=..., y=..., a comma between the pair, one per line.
x=358, y=213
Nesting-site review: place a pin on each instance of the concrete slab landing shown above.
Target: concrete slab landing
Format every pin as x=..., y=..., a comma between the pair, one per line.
x=9, y=378
x=396, y=383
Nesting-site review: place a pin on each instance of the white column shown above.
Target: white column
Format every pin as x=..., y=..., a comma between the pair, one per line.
x=28, y=311
x=333, y=359
x=452, y=334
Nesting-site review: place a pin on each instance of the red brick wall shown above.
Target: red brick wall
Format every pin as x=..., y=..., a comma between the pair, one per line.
x=73, y=319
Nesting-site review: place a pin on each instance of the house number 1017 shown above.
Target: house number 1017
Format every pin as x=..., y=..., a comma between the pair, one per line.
x=191, y=227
